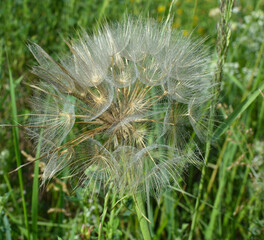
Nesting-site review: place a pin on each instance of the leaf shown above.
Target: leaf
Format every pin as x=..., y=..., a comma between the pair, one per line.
x=7, y=228
x=238, y=111
x=236, y=81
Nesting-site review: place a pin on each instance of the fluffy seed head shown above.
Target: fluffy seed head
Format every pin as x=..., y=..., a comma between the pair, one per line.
x=120, y=107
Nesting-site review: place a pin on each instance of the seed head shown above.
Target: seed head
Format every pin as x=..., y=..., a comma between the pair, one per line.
x=120, y=107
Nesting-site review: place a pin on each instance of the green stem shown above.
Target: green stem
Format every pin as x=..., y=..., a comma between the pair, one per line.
x=11, y=192
x=194, y=11
x=141, y=214
x=112, y=214
x=103, y=214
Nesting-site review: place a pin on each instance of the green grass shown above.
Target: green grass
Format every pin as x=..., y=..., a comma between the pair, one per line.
x=16, y=147
x=223, y=200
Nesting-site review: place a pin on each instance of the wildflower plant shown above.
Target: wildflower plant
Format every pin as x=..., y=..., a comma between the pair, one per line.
x=120, y=108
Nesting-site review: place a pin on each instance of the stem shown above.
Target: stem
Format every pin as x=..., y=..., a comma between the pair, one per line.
x=141, y=213
x=35, y=193
x=11, y=192
x=104, y=213
x=194, y=11
x=103, y=216
x=112, y=214
x=34, y=207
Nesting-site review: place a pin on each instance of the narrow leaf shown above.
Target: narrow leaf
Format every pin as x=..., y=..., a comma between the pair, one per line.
x=238, y=111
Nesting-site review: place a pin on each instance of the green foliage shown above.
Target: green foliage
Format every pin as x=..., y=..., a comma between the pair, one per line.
x=230, y=198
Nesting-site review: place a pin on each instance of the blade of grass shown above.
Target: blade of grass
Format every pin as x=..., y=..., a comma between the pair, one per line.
x=235, y=81
x=104, y=214
x=194, y=12
x=7, y=228
x=230, y=196
x=16, y=146
x=74, y=228
x=256, y=65
x=102, y=12
x=141, y=213
x=200, y=190
x=213, y=176
x=228, y=157
x=11, y=192
x=201, y=184
x=238, y=111
x=112, y=214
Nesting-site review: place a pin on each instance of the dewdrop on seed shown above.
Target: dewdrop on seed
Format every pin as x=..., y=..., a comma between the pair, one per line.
x=132, y=93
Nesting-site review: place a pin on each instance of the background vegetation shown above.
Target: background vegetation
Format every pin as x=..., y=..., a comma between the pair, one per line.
x=232, y=195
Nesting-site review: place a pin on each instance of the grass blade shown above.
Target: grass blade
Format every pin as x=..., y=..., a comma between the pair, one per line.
x=16, y=146
x=235, y=81
x=238, y=111
x=7, y=228
x=228, y=158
